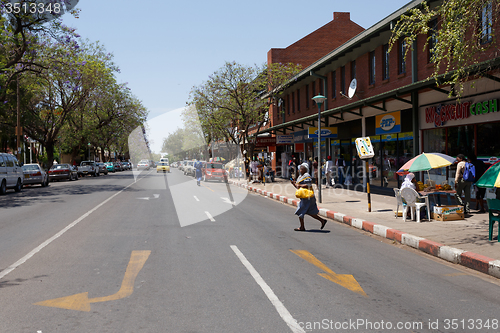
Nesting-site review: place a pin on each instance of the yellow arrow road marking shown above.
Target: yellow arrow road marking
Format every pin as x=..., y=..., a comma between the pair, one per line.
x=345, y=280
x=81, y=302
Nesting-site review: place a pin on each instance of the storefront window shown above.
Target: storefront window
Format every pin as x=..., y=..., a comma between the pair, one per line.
x=460, y=140
x=488, y=144
x=435, y=140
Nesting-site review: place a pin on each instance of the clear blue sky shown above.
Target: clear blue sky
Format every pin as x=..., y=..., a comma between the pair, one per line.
x=165, y=47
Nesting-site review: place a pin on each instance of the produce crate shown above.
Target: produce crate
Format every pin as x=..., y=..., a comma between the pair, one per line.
x=448, y=217
x=453, y=209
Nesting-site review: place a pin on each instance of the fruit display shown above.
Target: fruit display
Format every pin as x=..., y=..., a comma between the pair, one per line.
x=420, y=186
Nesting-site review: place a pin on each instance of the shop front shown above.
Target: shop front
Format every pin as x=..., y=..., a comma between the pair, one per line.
x=470, y=127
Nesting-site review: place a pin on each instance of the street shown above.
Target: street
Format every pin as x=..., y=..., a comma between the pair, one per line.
x=160, y=254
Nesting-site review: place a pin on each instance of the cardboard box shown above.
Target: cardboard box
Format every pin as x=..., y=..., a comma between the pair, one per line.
x=445, y=210
x=448, y=217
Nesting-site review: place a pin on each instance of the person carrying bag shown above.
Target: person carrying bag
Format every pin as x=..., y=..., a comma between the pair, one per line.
x=307, y=204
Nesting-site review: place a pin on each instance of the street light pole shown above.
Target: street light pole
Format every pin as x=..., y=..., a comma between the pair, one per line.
x=319, y=99
x=18, y=127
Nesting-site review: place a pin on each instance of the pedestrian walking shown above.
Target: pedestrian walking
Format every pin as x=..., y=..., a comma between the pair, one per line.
x=480, y=169
x=329, y=171
x=198, y=174
x=463, y=182
x=292, y=167
x=306, y=205
x=315, y=171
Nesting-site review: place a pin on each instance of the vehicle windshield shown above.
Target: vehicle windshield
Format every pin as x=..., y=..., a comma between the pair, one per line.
x=214, y=166
x=162, y=164
x=59, y=166
x=31, y=168
x=87, y=163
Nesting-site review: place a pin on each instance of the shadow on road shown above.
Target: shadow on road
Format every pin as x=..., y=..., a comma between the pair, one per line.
x=32, y=195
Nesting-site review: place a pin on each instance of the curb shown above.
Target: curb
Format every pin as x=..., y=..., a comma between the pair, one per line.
x=468, y=259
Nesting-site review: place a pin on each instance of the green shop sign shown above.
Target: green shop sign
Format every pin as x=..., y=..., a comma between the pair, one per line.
x=484, y=107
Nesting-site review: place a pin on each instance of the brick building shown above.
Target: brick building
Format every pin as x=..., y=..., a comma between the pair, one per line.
x=394, y=103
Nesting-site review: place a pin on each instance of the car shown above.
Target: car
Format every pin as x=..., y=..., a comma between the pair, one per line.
x=89, y=168
x=110, y=166
x=189, y=168
x=34, y=174
x=118, y=166
x=63, y=171
x=214, y=171
x=11, y=173
x=143, y=165
x=127, y=165
x=162, y=166
x=102, y=168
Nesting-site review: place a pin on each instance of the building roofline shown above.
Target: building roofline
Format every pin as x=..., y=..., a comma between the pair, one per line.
x=392, y=94
x=350, y=44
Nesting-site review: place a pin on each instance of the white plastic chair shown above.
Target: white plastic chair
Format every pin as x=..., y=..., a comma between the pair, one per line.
x=410, y=196
x=399, y=201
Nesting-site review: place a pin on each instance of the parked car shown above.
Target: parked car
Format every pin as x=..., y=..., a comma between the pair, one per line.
x=11, y=173
x=102, y=168
x=63, y=171
x=34, y=174
x=110, y=166
x=143, y=165
x=189, y=168
x=88, y=168
x=118, y=166
x=163, y=167
x=127, y=165
x=214, y=171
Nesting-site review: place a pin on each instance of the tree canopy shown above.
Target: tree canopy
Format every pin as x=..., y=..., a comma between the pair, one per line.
x=457, y=32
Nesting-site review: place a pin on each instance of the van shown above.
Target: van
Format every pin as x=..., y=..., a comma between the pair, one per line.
x=11, y=173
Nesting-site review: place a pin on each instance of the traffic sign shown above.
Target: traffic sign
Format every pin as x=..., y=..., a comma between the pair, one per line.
x=364, y=148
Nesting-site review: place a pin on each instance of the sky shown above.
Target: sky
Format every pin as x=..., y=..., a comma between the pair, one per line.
x=165, y=47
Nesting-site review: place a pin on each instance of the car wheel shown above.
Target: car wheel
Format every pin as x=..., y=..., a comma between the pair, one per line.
x=19, y=186
x=3, y=187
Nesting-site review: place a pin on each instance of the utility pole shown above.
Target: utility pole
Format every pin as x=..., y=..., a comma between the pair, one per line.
x=18, y=127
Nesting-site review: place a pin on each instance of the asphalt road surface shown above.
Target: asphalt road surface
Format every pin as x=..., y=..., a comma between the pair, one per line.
x=157, y=253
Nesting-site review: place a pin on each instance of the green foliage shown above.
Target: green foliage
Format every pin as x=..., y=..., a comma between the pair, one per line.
x=459, y=38
x=230, y=104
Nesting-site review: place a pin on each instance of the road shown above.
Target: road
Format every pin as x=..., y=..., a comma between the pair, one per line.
x=160, y=254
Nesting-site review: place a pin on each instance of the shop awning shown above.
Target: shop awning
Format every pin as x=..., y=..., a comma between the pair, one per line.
x=400, y=94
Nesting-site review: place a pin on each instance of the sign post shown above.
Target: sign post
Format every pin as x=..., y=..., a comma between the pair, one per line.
x=365, y=152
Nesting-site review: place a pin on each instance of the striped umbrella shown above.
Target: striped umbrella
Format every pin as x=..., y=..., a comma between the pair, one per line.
x=491, y=178
x=425, y=162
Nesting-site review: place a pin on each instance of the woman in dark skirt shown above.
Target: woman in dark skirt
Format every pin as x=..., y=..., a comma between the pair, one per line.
x=306, y=206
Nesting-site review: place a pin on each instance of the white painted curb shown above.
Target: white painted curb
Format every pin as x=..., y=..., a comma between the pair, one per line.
x=450, y=254
x=494, y=268
x=380, y=230
x=339, y=217
x=357, y=223
x=411, y=240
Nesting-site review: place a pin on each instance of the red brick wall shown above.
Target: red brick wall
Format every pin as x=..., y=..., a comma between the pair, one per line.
x=365, y=90
x=318, y=43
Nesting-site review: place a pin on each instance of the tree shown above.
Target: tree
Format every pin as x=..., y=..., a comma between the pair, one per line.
x=230, y=103
x=457, y=33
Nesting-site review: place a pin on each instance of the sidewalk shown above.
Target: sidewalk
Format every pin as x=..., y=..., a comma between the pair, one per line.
x=462, y=242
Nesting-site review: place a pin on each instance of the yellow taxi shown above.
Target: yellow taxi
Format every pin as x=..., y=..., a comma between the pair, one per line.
x=162, y=166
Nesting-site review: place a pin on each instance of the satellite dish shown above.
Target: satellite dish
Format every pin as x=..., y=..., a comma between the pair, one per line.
x=352, y=88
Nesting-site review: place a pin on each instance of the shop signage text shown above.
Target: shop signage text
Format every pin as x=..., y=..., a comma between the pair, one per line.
x=388, y=123
x=439, y=115
x=484, y=107
x=265, y=141
x=284, y=139
x=326, y=132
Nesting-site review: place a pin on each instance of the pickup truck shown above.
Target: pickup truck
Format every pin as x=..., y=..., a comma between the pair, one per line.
x=88, y=168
